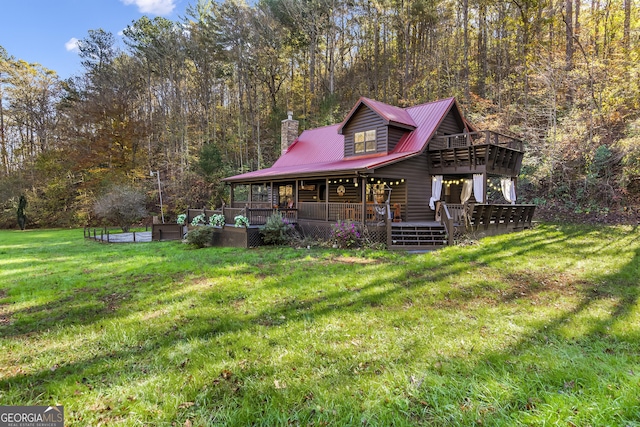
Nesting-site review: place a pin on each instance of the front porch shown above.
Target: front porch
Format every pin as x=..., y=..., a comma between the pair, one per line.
x=453, y=221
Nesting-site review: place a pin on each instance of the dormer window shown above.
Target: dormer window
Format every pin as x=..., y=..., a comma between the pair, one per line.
x=365, y=142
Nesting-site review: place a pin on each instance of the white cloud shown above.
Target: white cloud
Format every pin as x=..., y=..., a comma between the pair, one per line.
x=72, y=45
x=155, y=7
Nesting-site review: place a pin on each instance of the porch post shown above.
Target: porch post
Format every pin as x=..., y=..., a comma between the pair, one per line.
x=250, y=194
x=271, y=195
x=326, y=199
x=232, y=194
x=363, y=201
x=484, y=187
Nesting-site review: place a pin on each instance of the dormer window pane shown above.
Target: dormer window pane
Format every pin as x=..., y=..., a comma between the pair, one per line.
x=370, y=140
x=365, y=142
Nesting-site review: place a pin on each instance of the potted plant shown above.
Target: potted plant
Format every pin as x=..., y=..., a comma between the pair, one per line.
x=198, y=220
x=217, y=220
x=241, y=221
x=182, y=219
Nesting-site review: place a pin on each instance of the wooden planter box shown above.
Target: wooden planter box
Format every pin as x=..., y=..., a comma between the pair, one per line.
x=167, y=232
x=236, y=237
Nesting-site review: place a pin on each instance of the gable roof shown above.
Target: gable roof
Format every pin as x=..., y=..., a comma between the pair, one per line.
x=389, y=114
x=321, y=150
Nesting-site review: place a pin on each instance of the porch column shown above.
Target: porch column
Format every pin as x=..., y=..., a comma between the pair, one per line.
x=271, y=195
x=250, y=194
x=363, y=201
x=484, y=187
x=326, y=199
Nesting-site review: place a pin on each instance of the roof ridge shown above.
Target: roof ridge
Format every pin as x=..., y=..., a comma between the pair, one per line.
x=449, y=99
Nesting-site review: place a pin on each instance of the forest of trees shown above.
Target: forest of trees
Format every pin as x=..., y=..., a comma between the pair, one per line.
x=202, y=98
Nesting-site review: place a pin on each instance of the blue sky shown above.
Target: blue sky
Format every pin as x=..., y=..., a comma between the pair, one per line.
x=44, y=31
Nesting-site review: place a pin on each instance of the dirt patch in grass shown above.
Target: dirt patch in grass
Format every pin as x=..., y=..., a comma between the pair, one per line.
x=5, y=319
x=112, y=301
x=534, y=285
x=354, y=260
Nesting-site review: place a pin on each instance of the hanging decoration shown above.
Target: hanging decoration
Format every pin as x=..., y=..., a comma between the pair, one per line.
x=478, y=187
x=436, y=191
x=508, y=190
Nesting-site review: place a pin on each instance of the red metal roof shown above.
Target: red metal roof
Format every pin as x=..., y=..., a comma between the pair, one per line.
x=321, y=150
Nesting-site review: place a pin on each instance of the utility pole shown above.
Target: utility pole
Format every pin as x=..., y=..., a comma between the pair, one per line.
x=157, y=173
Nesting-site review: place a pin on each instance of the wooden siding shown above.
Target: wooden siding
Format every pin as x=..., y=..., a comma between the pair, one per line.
x=312, y=195
x=418, y=186
x=362, y=120
x=351, y=195
x=395, y=134
x=451, y=124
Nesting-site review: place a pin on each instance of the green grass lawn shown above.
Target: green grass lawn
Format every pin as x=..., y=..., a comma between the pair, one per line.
x=535, y=328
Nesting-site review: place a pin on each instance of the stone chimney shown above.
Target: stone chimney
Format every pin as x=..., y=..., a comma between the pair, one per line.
x=288, y=132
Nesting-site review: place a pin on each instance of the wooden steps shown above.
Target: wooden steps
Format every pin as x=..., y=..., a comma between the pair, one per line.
x=407, y=236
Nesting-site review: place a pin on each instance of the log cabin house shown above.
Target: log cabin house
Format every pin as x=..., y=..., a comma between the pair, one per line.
x=414, y=177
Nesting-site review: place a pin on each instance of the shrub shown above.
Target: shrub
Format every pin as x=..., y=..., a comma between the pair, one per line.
x=182, y=219
x=122, y=206
x=277, y=230
x=200, y=237
x=344, y=234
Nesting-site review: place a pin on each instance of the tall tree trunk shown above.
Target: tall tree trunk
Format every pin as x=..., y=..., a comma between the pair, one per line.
x=627, y=24
x=568, y=20
x=482, y=49
x=465, y=36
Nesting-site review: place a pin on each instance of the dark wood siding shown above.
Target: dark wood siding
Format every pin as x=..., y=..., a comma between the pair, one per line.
x=451, y=125
x=351, y=194
x=418, y=186
x=395, y=134
x=362, y=120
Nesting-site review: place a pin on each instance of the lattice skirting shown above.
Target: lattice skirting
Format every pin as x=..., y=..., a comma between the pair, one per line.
x=320, y=230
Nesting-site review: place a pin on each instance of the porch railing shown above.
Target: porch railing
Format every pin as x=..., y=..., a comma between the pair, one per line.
x=343, y=211
x=259, y=216
x=458, y=212
x=446, y=219
x=318, y=211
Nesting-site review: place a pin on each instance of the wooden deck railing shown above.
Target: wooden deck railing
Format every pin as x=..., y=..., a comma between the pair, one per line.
x=475, y=138
x=516, y=217
x=486, y=217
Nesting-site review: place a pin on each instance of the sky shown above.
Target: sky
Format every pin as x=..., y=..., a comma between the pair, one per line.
x=46, y=31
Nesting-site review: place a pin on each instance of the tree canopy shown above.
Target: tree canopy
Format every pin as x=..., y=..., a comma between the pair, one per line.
x=202, y=97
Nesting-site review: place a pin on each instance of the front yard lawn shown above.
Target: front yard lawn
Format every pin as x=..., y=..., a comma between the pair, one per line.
x=540, y=327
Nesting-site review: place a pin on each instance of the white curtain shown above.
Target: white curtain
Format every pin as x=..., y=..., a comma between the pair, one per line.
x=478, y=187
x=508, y=190
x=466, y=190
x=436, y=191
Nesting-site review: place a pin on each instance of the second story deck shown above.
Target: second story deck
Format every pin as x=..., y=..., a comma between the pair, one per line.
x=476, y=152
